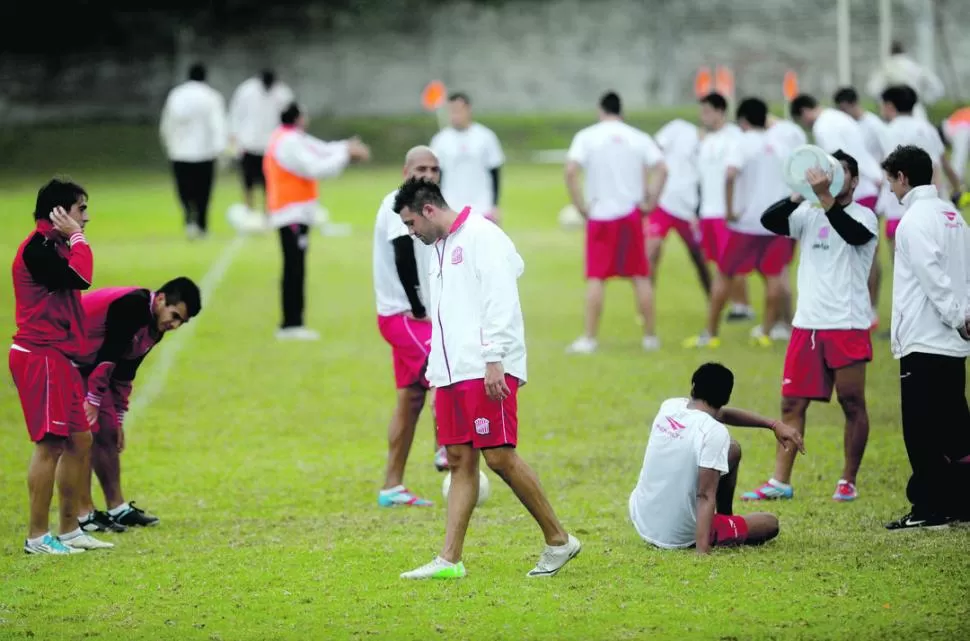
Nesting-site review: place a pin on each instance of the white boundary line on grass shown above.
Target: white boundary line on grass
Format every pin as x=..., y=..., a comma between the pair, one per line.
x=145, y=394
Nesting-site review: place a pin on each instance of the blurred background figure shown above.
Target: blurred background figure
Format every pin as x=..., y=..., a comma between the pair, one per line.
x=955, y=132
x=254, y=113
x=471, y=160
x=194, y=134
x=901, y=69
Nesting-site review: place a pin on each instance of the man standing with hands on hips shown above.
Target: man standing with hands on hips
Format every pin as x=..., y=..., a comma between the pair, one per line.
x=477, y=363
x=931, y=339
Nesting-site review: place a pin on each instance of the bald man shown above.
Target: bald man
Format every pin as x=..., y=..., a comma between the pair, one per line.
x=400, y=272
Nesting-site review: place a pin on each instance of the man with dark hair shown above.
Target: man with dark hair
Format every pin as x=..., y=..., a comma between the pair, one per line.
x=477, y=364
x=401, y=265
x=615, y=158
x=931, y=339
x=254, y=113
x=905, y=129
x=754, y=180
x=720, y=135
x=685, y=495
x=50, y=269
x=122, y=325
x=194, y=134
x=875, y=133
x=294, y=162
x=471, y=160
x=830, y=343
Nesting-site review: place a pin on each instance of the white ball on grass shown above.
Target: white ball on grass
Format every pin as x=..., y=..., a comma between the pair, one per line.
x=483, y=487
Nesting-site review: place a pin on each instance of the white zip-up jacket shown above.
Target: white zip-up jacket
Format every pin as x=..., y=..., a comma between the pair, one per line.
x=193, y=124
x=475, y=313
x=931, y=277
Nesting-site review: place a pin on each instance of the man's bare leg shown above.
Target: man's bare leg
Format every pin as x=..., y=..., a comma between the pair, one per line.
x=106, y=461
x=40, y=483
x=400, y=433
x=71, y=468
x=850, y=388
x=643, y=290
x=517, y=474
x=595, y=290
x=462, y=497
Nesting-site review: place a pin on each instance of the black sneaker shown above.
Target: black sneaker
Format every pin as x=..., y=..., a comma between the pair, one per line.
x=736, y=316
x=135, y=517
x=99, y=521
x=913, y=522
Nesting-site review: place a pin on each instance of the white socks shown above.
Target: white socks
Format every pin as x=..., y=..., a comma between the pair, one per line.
x=393, y=490
x=121, y=509
x=71, y=535
x=38, y=540
x=776, y=483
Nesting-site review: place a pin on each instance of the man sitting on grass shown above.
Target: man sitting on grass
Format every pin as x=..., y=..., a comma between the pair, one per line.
x=685, y=493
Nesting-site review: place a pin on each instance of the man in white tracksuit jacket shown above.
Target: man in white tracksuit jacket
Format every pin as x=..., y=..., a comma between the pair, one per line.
x=477, y=363
x=931, y=339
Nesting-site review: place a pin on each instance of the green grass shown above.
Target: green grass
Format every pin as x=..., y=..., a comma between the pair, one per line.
x=263, y=461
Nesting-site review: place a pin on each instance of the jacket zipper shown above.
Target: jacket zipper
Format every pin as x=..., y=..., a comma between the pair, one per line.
x=441, y=277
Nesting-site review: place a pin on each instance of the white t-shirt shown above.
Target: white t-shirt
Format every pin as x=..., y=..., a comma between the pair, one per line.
x=679, y=141
x=710, y=161
x=874, y=132
x=909, y=130
x=663, y=506
x=388, y=289
x=760, y=182
x=786, y=136
x=834, y=130
x=467, y=158
x=613, y=155
x=254, y=113
x=833, y=276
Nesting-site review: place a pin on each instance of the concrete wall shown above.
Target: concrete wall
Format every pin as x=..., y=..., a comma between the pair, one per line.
x=518, y=56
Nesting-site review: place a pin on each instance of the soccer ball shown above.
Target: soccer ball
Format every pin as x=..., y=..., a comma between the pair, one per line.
x=483, y=488
x=569, y=217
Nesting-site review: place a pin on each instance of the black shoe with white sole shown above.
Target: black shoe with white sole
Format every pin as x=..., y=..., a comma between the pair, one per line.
x=913, y=521
x=135, y=517
x=99, y=521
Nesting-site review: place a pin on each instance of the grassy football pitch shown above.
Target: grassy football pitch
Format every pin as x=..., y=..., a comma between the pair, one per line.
x=263, y=461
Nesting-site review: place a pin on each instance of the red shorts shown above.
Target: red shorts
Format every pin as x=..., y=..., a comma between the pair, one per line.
x=616, y=248
x=728, y=530
x=660, y=222
x=714, y=235
x=465, y=414
x=410, y=342
x=891, y=225
x=813, y=357
x=51, y=393
x=107, y=411
x=869, y=202
x=745, y=253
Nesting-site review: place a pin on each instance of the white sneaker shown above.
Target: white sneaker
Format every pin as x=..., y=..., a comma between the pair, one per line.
x=49, y=545
x=87, y=542
x=437, y=569
x=780, y=332
x=193, y=231
x=582, y=345
x=297, y=334
x=650, y=343
x=554, y=557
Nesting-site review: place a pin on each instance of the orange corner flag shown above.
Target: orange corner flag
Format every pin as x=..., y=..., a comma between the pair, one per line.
x=724, y=81
x=433, y=95
x=789, y=85
x=702, y=82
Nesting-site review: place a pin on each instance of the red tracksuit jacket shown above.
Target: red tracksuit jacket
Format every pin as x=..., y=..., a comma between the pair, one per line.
x=49, y=273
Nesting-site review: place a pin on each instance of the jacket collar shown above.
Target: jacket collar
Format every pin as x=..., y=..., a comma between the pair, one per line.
x=923, y=192
x=46, y=229
x=462, y=217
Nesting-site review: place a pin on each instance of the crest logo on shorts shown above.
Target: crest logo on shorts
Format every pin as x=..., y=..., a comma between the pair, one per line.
x=481, y=426
x=456, y=256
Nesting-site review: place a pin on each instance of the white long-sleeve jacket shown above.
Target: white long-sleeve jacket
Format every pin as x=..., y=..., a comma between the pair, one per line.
x=304, y=155
x=475, y=312
x=254, y=113
x=193, y=125
x=931, y=277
